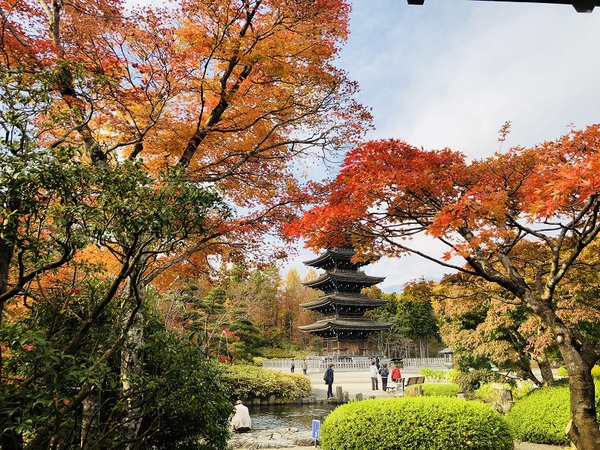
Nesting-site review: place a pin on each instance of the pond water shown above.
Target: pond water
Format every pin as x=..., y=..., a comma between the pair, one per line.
x=283, y=416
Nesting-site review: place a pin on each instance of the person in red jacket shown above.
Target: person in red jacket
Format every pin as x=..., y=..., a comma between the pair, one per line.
x=396, y=378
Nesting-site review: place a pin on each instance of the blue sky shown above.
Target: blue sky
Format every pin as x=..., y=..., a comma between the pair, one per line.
x=451, y=72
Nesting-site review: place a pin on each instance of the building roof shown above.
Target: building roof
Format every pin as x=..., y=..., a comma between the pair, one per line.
x=338, y=278
x=345, y=325
x=344, y=300
x=579, y=5
x=336, y=256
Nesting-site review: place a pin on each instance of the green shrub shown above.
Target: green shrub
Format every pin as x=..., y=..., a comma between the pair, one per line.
x=258, y=360
x=596, y=371
x=522, y=390
x=488, y=393
x=277, y=353
x=451, y=375
x=417, y=423
x=185, y=393
x=248, y=381
x=562, y=371
x=440, y=390
x=542, y=416
x=432, y=375
x=470, y=381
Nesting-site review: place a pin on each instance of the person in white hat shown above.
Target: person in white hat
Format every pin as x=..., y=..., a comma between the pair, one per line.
x=241, y=421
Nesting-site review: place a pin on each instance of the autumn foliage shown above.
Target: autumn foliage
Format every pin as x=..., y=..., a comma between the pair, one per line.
x=232, y=92
x=141, y=149
x=394, y=186
x=526, y=220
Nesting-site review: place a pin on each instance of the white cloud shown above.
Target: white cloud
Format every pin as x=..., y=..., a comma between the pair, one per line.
x=451, y=72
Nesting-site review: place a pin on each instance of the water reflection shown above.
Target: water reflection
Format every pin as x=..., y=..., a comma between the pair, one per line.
x=282, y=416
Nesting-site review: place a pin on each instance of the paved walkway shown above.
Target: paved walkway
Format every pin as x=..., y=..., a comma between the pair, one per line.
x=352, y=382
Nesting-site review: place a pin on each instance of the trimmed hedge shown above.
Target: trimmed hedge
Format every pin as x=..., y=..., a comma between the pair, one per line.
x=415, y=423
x=542, y=416
x=437, y=389
x=248, y=381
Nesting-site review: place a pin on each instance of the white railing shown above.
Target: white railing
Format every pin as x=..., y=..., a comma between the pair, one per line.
x=427, y=362
x=350, y=363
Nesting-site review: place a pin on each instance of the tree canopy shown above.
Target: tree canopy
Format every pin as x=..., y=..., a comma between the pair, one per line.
x=141, y=148
x=526, y=219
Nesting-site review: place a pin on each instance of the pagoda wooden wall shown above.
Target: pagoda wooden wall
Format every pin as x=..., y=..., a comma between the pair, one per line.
x=344, y=348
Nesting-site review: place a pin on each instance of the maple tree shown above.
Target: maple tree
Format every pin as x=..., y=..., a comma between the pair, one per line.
x=481, y=328
x=145, y=141
x=232, y=92
x=483, y=212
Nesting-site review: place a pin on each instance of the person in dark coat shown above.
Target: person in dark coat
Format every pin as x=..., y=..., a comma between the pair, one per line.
x=328, y=377
x=384, y=372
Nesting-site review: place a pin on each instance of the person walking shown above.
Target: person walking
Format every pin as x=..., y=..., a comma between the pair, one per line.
x=293, y=366
x=328, y=377
x=304, y=367
x=374, y=373
x=384, y=372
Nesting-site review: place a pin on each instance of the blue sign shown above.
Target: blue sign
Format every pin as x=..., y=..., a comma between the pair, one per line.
x=316, y=429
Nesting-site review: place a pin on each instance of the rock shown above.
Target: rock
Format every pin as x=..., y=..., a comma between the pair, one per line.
x=277, y=438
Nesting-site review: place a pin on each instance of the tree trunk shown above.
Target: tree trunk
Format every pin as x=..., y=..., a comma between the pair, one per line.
x=90, y=417
x=422, y=348
x=579, y=356
x=131, y=364
x=9, y=440
x=583, y=429
x=131, y=359
x=545, y=369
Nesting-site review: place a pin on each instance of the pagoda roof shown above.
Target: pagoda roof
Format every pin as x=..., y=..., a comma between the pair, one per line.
x=338, y=276
x=335, y=253
x=346, y=300
x=345, y=325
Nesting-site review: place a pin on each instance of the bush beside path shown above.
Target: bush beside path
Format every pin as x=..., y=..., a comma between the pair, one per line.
x=353, y=382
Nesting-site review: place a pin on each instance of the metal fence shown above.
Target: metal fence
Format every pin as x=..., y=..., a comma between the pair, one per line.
x=351, y=363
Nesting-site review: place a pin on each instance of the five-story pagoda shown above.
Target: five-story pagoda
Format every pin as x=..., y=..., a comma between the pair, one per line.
x=344, y=329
